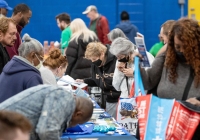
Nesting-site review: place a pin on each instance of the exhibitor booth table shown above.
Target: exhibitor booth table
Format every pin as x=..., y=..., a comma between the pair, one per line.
x=98, y=135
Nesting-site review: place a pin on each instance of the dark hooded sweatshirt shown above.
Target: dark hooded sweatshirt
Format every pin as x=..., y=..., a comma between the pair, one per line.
x=129, y=30
x=4, y=57
x=18, y=75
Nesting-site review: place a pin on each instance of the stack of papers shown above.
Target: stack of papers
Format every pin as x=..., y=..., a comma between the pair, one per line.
x=69, y=80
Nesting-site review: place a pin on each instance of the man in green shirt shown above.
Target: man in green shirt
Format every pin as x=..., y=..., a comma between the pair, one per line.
x=63, y=22
x=156, y=47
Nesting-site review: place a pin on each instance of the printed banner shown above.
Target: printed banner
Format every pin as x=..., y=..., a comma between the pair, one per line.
x=127, y=114
x=183, y=123
x=159, y=115
x=143, y=104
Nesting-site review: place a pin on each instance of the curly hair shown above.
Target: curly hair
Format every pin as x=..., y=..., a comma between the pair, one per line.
x=188, y=32
x=4, y=22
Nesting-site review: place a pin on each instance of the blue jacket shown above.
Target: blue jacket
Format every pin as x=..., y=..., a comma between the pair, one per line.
x=17, y=76
x=49, y=108
x=129, y=30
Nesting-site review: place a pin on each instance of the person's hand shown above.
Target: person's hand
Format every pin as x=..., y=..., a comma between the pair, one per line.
x=128, y=72
x=135, y=54
x=79, y=80
x=121, y=66
x=193, y=101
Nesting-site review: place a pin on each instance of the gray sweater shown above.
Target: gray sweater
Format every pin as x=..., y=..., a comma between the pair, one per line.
x=166, y=89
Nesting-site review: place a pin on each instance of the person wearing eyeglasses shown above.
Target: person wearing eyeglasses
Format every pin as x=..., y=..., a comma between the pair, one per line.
x=21, y=72
x=7, y=37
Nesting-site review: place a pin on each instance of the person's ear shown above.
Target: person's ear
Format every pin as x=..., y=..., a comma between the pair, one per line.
x=62, y=23
x=32, y=55
x=59, y=69
x=79, y=114
x=19, y=14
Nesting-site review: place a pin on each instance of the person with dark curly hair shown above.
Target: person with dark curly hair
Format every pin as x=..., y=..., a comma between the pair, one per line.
x=177, y=73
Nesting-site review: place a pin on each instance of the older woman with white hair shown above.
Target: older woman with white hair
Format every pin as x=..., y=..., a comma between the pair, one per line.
x=78, y=66
x=124, y=50
x=21, y=71
x=115, y=33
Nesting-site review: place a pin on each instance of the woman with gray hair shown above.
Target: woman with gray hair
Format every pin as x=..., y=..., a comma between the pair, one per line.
x=21, y=71
x=124, y=50
x=115, y=33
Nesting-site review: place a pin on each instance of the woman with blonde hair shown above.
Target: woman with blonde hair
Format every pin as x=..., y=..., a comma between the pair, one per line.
x=78, y=66
x=53, y=67
x=102, y=69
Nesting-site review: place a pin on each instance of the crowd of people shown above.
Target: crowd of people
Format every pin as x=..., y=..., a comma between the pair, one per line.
x=32, y=103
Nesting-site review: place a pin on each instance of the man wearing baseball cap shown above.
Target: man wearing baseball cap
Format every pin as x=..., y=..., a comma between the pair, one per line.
x=4, y=8
x=98, y=23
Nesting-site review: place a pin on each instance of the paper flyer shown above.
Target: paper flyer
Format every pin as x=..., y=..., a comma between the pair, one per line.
x=140, y=35
x=139, y=41
x=69, y=80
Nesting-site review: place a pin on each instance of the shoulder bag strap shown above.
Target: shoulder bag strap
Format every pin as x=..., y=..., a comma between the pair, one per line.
x=188, y=85
x=127, y=85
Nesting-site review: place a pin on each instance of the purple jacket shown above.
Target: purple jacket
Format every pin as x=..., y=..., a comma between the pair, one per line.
x=18, y=75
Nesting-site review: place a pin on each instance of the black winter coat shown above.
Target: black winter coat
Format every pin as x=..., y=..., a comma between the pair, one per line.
x=103, y=76
x=4, y=57
x=78, y=67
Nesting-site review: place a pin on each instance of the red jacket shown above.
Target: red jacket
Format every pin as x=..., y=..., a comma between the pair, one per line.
x=102, y=28
x=14, y=49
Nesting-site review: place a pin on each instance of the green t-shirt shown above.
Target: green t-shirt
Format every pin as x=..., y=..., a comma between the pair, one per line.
x=65, y=37
x=155, y=48
x=93, y=26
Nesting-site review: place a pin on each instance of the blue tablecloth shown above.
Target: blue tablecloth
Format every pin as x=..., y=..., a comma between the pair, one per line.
x=100, y=136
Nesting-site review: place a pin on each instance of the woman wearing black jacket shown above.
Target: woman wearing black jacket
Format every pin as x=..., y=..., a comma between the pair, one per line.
x=78, y=66
x=102, y=69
